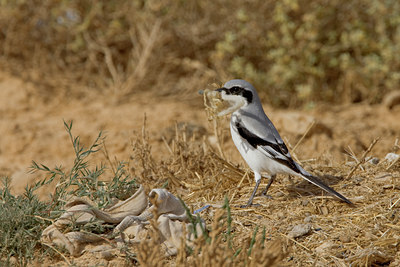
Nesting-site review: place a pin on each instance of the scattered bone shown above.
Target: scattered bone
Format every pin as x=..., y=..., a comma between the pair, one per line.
x=300, y=230
x=133, y=212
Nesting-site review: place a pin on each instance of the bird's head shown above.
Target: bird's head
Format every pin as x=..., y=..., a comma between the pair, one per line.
x=238, y=94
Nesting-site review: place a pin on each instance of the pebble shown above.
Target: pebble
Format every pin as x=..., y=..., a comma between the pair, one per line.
x=280, y=215
x=309, y=219
x=390, y=157
x=107, y=255
x=324, y=247
x=391, y=99
x=373, y=160
x=345, y=238
x=300, y=230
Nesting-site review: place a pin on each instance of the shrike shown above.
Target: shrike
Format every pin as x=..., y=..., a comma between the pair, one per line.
x=258, y=141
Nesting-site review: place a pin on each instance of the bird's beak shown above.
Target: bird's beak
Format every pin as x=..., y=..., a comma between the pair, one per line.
x=220, y=89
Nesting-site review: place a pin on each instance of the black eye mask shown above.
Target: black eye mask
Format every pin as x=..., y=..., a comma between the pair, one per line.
x=236, y=90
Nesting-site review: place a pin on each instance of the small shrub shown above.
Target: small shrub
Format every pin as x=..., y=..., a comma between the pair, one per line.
x=22, y=219
x=295, y=52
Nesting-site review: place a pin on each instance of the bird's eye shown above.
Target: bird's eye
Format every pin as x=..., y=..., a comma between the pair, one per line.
x=235, y=90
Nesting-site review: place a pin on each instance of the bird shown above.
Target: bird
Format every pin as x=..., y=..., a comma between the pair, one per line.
x=257, y=139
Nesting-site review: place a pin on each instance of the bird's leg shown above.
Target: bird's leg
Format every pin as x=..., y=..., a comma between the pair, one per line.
x=257, y=177
x=271, y=180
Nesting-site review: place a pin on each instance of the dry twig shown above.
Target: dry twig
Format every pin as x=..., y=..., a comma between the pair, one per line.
x=362, y=158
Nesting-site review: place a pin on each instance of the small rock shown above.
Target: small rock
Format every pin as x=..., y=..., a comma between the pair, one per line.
x=373, y=160
x=345, y=238
x=280, y=215
x=391, y=99
x=107, y=255
x=213, y=140
x=279, y=194
x=300, y=230
x=390, y=157
x=325, y=247
x=309, y=219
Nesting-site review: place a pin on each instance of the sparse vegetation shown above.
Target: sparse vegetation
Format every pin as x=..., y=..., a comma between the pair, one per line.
x=295, y=52
x=25, y=217
x=22, y=220
x=233, y=235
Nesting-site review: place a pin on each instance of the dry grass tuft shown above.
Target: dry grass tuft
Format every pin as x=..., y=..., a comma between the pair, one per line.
x=339, y=234
x=366, y=234
x=217, y=249
x=192, y=169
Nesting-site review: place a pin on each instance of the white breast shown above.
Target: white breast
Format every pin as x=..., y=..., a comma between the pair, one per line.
x=257, y=160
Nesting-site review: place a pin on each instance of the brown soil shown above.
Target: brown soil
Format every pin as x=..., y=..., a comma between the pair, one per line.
x=32, y=129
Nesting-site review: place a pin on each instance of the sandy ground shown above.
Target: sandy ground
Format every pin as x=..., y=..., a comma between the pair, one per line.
x=32, y=129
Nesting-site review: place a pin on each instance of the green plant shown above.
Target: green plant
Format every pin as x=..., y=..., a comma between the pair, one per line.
x=22, y=219
x=82, y=181
x=296, y=52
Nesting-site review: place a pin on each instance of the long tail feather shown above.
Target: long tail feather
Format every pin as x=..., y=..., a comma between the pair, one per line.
x=316, y=181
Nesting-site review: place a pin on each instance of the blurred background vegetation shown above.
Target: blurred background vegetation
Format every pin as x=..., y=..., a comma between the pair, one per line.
x=297, y=52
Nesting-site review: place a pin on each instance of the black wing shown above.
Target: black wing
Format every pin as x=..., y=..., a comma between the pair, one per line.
x=275, y=150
